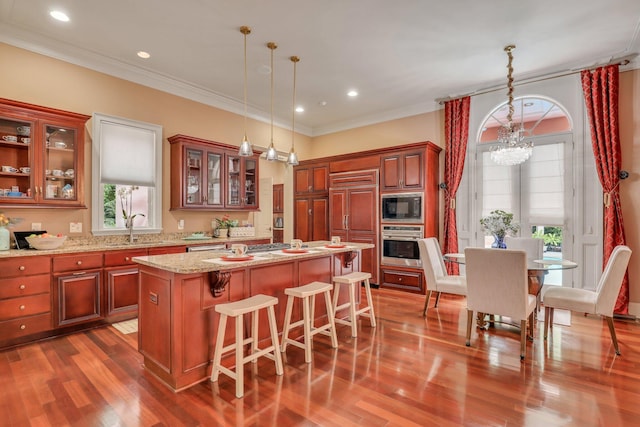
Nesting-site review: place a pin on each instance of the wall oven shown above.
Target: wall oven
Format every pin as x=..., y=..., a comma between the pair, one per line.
x=400, y=245
x=402, y=207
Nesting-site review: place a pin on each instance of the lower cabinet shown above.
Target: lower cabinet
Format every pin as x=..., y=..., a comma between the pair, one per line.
x=122, y=292
x=78, y=297
x=407, y=279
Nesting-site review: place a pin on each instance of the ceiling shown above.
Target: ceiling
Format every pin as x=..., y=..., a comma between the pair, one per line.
x=400, y=56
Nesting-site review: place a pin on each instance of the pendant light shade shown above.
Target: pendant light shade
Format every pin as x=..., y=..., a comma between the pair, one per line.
x=245, y=148
x=293, y=157
x=272, y=154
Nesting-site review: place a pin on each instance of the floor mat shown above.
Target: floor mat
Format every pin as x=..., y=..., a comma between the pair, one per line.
x=560, y=317
x=127, y=327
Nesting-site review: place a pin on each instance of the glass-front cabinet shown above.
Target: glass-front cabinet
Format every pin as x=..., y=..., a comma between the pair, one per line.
x=211, y=176
x=41, y=156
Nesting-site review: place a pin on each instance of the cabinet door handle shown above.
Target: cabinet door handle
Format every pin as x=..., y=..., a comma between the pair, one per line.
x=23, y=327
x=346, y=222
x=79, y=263
x=22, y=287
x=22, y=268
x=126, y=258
x=22, y=307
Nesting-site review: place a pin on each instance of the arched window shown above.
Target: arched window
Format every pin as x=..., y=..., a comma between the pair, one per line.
x=539, y=191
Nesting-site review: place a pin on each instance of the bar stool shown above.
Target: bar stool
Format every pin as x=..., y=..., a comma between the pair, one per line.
x=307, y=293
x=353, y=279
x=237, y=309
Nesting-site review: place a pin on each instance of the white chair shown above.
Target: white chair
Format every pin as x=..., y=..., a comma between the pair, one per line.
x=497, y=283
x=436, y=277
x=531, y=245
x=601, y=301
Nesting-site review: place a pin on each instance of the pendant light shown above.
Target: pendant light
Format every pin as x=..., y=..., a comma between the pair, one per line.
x=293, y=157
x=511, y=148
x=272, y=154
x=245, y=148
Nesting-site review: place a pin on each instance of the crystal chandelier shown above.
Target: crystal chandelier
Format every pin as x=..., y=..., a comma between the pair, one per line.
x=511, y=149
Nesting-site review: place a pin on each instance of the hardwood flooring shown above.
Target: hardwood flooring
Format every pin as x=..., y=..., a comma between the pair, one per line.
x=408, y=371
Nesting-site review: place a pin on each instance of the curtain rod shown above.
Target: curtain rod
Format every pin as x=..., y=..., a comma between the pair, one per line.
x=624, y=60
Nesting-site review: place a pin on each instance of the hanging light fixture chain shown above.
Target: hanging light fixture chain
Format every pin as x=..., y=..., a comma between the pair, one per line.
x=508, y=49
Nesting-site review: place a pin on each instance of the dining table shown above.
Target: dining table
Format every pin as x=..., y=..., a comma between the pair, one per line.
x=537, y=269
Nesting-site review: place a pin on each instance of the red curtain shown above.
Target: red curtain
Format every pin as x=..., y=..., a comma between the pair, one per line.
x=456, y=117
x=600, y=89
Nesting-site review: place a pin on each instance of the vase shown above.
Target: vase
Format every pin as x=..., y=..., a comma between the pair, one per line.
x=221, y=232
x=5, y=240
x=498, y=242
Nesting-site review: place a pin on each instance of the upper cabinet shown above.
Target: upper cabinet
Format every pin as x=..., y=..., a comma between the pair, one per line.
x=207, y=175
x=311, y=178
x=403, y=170
x=278, y=198
x=41, y=156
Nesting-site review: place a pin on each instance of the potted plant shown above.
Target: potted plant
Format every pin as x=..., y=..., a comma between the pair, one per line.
x=223, y=225
x=499, y=223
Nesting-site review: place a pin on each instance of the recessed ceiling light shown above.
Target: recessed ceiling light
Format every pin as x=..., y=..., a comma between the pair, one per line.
x=60, y=16
x=322, y=103
x=352, y=93
x=299, y=109
x=144, y=55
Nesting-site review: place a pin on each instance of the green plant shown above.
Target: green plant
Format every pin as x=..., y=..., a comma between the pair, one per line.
x=552, y=236
x=226, y=222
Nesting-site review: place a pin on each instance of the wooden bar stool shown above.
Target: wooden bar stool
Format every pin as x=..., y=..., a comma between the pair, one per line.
x=308, y=293
x=237, y=309
x=353, y=280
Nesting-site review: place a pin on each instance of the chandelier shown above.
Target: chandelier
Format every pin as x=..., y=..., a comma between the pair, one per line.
x=511, y=149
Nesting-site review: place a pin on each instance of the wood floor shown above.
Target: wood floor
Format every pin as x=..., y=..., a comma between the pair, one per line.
x=408, y=371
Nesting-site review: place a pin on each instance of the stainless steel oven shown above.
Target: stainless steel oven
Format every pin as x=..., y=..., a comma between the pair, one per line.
x=400, y=245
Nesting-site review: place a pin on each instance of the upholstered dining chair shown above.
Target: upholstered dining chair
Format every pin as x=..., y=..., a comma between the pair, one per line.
x=601, y=301
x=435, y=272
x=531, y=245
x=497, y=284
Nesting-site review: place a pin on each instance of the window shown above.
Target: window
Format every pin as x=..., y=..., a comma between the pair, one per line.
x=127, y=175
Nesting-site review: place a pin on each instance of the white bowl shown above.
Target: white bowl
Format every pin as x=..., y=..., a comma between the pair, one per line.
x=46, y=243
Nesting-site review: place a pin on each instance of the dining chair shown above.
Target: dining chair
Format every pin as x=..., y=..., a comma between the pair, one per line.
x=497, y=284
x=601, y=301
x=436, y=277
x=531, y=245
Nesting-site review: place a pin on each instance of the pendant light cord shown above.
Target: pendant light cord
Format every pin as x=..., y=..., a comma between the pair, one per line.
x=245, y=31
x=295, y=60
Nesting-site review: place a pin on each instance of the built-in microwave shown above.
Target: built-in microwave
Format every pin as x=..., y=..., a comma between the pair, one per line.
x=403, y=207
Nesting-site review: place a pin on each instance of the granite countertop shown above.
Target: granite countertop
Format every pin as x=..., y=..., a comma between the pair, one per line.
x=202, y=262
x=118, y=243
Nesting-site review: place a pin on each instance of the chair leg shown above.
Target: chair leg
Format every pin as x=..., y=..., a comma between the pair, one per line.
x=426, y=304
x=352, y=310
x=523, y=338
x=437, y=299
x=239, y=357
x=217, y=354
x=273, y=328
x=287, y=322
x=372, y=314
x=306, y=324
x=547, y=316
x=614, y=339
x=532, y=319
x=331, y=320
x=469, y=322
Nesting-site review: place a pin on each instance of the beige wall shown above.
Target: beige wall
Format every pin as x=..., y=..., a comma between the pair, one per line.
x=41, y=80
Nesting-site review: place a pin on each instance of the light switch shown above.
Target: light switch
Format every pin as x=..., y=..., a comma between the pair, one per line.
x=75, y=227
x=181, y=224
x=36, y=226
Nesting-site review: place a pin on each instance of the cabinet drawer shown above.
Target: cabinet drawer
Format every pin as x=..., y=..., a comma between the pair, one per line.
x=77, y=262
x=116, y=258
x=17, y=328
x=353, y=179
x=403, y=278
x=24, y=306
x=24, y=266
x=23, y=286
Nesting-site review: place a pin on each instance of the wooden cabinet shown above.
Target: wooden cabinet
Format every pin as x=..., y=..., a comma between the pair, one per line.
x=353, y=207
x=207, y=175
x=311, y=218
x=406, y=279
x=311, y=178
x=402, y=170
x=42, y=152
x=25, y=297
x=121, y=281
x=278, y=198
x=77, y=288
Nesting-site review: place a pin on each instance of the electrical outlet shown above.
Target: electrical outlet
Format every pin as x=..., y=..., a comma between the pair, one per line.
x=181, y=224
x=75, y=227
x=36, y=226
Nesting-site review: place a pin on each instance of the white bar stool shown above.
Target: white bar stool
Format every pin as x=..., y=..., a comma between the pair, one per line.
x=307, y=293
x=237, y=309
x=352, y=280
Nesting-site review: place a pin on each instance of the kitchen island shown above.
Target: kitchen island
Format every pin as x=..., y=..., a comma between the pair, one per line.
x=178, y=292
